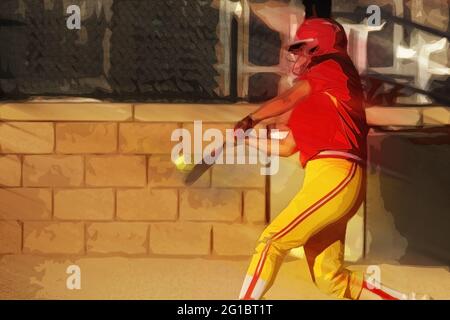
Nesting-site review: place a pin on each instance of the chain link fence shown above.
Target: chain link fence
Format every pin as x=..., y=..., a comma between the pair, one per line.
x=158, y=50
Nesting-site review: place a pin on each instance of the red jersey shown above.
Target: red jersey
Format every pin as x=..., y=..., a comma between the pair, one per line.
x=332, y=117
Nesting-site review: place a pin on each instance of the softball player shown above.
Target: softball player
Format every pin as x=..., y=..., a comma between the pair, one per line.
x=328, y=126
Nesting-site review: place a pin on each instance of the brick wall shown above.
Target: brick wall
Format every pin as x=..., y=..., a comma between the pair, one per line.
x=96, y=179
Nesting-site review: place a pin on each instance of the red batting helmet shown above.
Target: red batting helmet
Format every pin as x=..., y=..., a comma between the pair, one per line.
x=316, y=37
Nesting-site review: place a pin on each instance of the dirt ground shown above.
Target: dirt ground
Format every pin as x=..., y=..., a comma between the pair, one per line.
x=33, y=277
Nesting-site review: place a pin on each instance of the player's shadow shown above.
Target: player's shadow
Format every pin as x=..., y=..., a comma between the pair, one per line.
x=413, y=177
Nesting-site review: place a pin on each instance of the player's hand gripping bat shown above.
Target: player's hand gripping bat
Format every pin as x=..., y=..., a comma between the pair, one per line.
x=209, y=160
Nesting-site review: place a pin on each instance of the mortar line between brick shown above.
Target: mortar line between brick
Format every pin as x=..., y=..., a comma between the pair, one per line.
x=22, y=229
x=242, y=205
x=85, y=237
x=211, y=241
x=54, y=137
x=27, y=154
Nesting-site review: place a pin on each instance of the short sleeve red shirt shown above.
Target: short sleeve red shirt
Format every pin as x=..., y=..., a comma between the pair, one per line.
x=332, y=117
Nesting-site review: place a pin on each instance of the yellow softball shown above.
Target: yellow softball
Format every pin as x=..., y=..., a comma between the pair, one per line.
x=182, y=166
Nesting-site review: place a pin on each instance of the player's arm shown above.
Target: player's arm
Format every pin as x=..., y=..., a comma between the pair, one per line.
x=282, y=119
x=278, y=105
x=284, y=102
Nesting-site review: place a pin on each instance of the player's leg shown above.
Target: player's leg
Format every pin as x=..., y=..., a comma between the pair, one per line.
x=375, y=290
x=329, y=192
x=325, y=256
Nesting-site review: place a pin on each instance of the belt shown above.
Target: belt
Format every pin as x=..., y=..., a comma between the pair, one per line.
x=338, y=154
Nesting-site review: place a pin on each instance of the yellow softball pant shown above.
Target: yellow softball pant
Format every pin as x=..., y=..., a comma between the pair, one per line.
x=316, y=218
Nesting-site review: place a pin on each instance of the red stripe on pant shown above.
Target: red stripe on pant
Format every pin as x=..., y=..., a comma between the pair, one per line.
x=321, y=202
x=262, y=260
